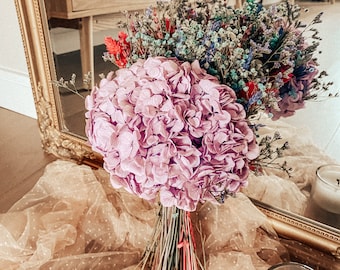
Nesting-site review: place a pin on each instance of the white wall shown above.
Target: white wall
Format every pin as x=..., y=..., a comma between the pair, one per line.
x=15, y=88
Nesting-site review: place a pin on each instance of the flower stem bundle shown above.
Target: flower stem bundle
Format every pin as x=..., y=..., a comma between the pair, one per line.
x=173, y=244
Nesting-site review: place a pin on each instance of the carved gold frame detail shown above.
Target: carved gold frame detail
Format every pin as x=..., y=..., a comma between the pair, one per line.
x=55, y=140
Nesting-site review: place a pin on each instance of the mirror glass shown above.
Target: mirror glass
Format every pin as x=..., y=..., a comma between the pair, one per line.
x=322, y=118
x=77, y=46
x=77, y=43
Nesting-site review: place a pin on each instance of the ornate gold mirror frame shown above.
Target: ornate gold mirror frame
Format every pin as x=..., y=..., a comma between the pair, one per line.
x=58, y=142
x=55, y=140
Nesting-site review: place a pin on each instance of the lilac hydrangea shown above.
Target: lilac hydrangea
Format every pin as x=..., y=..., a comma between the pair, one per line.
x=166, y=129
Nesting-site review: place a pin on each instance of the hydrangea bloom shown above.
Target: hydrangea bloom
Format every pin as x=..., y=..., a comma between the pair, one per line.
x=167, y=128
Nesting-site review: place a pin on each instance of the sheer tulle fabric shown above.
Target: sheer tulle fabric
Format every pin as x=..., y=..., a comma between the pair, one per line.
x=303, y=157
x=74, y=219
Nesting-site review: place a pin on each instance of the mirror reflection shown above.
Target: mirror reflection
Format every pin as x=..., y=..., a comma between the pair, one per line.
x=77, y=46
x=77, y=39
x=321, y=119
x=77, y=30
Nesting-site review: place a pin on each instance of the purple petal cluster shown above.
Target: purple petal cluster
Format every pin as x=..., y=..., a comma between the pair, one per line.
x=295, y=91
x=168, y=130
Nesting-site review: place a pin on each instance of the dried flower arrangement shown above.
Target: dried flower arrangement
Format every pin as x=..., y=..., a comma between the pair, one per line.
x=266, y=55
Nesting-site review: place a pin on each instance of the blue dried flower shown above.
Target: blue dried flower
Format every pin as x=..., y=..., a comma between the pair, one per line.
x=246, y=65
x=255, y=98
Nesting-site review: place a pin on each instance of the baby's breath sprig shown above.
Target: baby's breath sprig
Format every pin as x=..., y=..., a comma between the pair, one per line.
x=270, y=155
x=71, y=85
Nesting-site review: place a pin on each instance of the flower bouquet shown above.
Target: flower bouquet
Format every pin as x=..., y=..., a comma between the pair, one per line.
x=167, y=130
x=173, y=124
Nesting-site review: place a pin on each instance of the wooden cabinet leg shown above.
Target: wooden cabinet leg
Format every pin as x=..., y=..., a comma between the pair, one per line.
x=86, y=47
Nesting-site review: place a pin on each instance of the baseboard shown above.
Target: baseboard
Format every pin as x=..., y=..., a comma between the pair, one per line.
x=16, y=92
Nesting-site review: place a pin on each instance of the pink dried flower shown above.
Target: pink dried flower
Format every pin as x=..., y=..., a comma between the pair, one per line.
x=166, y=128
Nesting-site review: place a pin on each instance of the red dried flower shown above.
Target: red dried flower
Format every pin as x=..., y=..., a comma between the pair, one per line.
x=169, y=27
x=120, y=49
x=252, y=90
